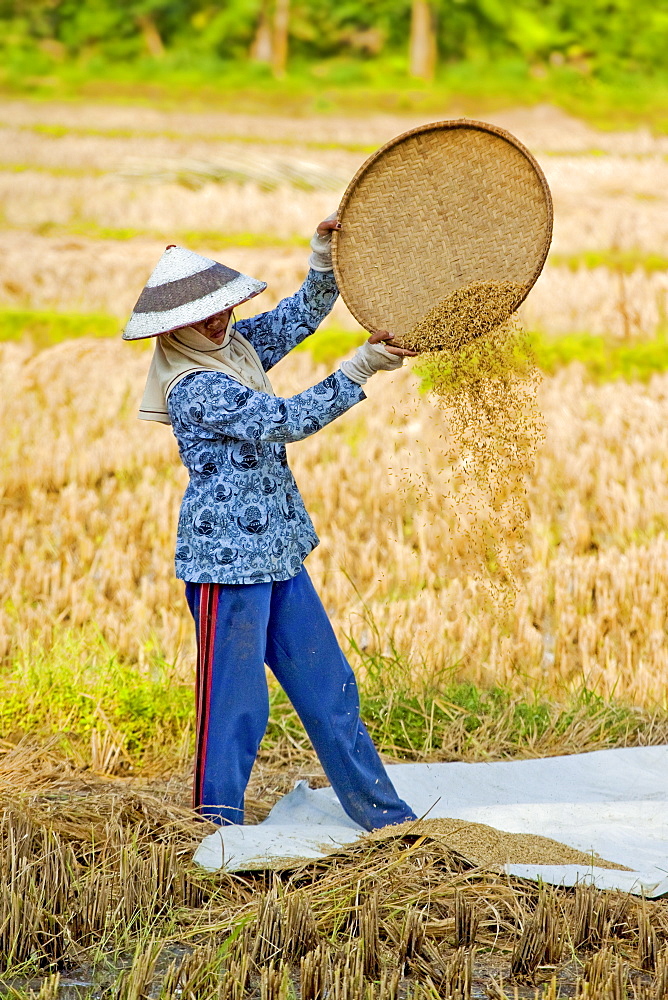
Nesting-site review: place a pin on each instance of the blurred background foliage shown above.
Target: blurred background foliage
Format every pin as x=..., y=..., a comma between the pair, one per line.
x=539, y=44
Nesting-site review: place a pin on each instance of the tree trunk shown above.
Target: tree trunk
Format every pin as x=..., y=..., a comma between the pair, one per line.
x=262, y=48
x=151, y=35
x=422, y=50
x=281, y=23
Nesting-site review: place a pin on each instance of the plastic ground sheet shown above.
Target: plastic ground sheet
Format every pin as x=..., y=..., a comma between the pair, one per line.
x=610, y=804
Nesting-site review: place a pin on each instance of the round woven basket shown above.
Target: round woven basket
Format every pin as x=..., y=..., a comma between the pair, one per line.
x=433, y=210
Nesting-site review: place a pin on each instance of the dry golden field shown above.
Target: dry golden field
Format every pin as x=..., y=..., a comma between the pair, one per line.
x=90, y=495
x=96, y=835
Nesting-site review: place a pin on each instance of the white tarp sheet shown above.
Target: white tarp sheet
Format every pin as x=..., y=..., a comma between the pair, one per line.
x=611, y=802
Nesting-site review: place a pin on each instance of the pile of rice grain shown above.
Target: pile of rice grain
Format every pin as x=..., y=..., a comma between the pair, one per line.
x=464, y=315
x=484, y=845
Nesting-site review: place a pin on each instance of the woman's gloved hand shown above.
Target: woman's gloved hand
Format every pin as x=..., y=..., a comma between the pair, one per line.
x=321, y=244
x=375, y=355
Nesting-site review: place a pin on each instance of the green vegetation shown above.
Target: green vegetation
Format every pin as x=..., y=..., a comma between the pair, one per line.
x=604, y=58
x=52, y=170
x=58, y=131
x=596, y=37
x=45, y=328
x=602, y=358
x=446, y=718
x=79, y=687
x=195, y=239
x=328, y=345
x=467, y=89
x=625, y=261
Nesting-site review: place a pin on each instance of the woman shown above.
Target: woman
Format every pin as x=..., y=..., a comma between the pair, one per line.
x=243, y=531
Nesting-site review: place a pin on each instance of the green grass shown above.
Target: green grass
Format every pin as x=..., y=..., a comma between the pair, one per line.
x=458, y=720
x=191, y=238
x=79, y=686
x=216, y=138
x=52, y=170
x=344, y=85
x=46, y=328
x=626, y=261
x=328, y=345
x=602, y=359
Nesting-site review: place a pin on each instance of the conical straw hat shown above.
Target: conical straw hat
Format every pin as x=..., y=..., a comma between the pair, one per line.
x=187, y=288
x=436, y=209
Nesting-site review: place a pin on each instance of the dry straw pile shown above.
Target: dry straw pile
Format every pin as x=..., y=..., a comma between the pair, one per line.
x=92, y=867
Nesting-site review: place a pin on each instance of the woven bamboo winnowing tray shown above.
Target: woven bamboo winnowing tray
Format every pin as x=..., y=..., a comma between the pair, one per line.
x=433, y=210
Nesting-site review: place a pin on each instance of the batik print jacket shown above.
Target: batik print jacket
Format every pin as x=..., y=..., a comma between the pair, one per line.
x=242, y=518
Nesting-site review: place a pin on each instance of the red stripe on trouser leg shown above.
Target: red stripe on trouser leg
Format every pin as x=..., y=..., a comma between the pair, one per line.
x=208, y=611
x=202, y=624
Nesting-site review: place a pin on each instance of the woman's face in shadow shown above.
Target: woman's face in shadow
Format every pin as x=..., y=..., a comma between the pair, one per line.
x=214, y=327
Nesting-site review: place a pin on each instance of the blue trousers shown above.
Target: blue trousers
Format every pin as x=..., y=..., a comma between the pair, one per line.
x=282, y=624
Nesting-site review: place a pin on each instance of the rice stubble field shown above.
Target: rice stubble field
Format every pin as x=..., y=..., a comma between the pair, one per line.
x=474, y=638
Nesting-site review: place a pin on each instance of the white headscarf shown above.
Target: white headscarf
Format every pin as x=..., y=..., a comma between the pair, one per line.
x=183, y=351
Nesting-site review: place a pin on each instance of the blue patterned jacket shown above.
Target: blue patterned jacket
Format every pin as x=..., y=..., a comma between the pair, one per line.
x=242, y=519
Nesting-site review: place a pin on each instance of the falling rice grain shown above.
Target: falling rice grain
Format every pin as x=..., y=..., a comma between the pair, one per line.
x=477, y=361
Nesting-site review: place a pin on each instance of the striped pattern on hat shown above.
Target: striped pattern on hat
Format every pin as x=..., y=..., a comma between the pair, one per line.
x=186, y=288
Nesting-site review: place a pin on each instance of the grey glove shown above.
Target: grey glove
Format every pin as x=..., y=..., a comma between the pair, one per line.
x=369, y=359
x=321, y=257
